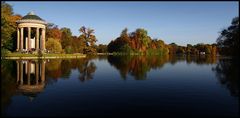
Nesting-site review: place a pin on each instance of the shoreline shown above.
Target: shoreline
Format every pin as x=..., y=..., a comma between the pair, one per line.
x=44, y=56
x=74, y=56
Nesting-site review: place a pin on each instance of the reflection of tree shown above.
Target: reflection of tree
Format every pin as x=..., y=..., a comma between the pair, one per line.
x=227, y=72
x=137, y=66
x=173, y=59
x=201, y=59
x=8, y=83
x=66, y=68
x=62, y=68
x=87, y=69
x=53, y=69
x=102, y=57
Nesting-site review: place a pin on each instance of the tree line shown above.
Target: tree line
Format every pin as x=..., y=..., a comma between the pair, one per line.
x=139, y=42
x=61, y=40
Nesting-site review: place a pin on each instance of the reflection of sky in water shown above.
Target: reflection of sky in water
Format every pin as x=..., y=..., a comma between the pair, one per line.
x=174, y=88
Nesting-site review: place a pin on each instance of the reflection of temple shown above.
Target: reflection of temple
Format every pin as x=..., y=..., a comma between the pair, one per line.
x=30, y=77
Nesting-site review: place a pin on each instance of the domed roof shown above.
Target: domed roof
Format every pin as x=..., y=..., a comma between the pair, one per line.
x=32, y=18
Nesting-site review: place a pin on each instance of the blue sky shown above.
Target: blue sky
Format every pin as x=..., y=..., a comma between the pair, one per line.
x=179, y=22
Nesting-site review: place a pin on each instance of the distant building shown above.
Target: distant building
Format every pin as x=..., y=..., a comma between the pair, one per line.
x=31, y=22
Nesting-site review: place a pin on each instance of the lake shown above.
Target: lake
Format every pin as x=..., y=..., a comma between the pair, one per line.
x=121, y=86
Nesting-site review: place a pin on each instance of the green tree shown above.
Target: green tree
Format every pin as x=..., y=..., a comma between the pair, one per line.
x=68, y=49
x=118, y=45
x=144, y=39
x=228, y=41
x=180, y=50
x=66, y=37
x=53, y=46
x=189, y=49
x=102, y=48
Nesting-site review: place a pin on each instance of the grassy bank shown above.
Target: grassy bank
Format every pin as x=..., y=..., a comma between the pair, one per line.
x=43, y=56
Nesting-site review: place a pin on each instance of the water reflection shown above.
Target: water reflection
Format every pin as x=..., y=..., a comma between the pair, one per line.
x=62, y=68
x=8, y=83
x=30, y=77
x=87, y=70
x=139, y=66
x=227, y=72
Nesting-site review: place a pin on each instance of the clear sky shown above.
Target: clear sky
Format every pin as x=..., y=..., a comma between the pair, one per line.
x=179, y=22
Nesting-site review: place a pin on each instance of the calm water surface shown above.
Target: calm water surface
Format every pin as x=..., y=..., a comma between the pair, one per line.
x=121, y=86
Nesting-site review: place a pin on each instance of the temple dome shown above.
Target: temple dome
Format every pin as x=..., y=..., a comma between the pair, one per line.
x=31, y=17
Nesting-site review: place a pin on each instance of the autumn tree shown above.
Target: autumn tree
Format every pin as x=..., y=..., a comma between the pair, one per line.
x=8, y=27
x=53, y=32
x=124, y=35
x=78, y=44
x=214, y=49
x=140, y=40
x=172, y=48
x=87, y=35
x=137, y=42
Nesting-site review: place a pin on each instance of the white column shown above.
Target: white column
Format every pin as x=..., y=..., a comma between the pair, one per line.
x=37, y=72
x=21, y=72
x=17, y=71
x=18, y=39
x=29, y=38
x=43, y=71
x=28, y=72
x=26, y=43
x=43, y=38
x=21, y=46
x=37, y=39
